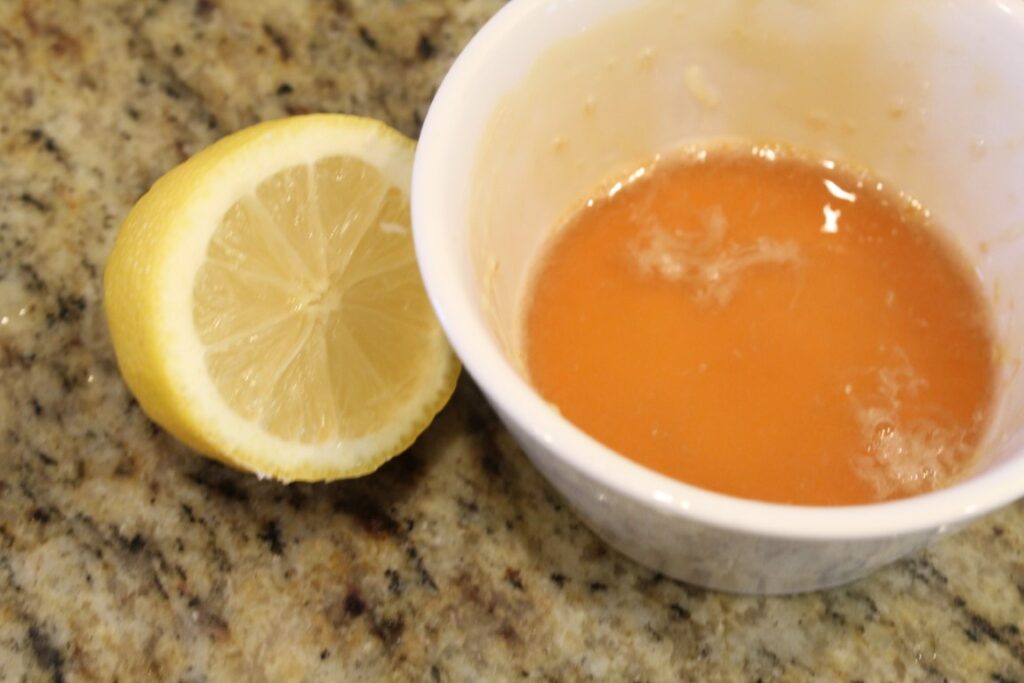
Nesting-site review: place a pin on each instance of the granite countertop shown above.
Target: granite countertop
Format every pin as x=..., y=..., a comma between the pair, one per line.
x=123, y=556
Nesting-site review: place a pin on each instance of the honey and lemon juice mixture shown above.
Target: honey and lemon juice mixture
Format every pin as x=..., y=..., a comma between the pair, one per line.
x=767, y=325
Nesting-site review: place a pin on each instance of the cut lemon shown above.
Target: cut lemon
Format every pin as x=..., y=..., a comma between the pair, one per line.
x=265, y=305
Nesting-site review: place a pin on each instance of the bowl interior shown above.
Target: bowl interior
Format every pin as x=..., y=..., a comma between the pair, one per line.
x=926, y=95
x=554, y=97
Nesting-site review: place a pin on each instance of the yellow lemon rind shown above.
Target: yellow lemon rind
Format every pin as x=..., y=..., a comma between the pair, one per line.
x=149, y=278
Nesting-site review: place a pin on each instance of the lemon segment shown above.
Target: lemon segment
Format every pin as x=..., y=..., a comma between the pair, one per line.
x=265, y=304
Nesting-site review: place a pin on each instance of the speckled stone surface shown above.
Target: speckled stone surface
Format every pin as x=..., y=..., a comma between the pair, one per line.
x=123, y=556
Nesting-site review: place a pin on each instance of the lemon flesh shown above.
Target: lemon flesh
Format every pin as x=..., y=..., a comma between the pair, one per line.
x=266, y=307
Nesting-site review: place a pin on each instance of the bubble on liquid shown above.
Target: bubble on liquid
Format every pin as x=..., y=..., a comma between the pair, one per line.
x=704, y=259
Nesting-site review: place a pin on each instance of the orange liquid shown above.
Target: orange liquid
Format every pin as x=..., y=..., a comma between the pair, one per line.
x=765, y=326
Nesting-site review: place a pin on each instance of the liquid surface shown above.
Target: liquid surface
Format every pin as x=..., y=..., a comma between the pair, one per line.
x=765, y=326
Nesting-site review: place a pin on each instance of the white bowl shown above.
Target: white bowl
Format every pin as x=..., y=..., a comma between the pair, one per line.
x=553, y=97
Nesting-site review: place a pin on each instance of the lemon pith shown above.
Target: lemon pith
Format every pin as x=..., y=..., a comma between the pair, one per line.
x=265, y=305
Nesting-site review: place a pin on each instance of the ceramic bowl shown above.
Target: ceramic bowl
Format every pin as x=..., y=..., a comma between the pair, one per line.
x=554, y=97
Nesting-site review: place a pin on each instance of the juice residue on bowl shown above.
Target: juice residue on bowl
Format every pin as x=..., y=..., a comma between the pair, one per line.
x=761, y=324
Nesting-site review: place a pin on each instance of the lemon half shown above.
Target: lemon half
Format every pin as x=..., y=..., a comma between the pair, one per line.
x=265, y=304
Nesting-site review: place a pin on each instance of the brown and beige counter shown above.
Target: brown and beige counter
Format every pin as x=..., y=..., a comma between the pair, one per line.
x=123, y=556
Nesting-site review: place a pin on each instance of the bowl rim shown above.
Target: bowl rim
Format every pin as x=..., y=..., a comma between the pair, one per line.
x=462, y=319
